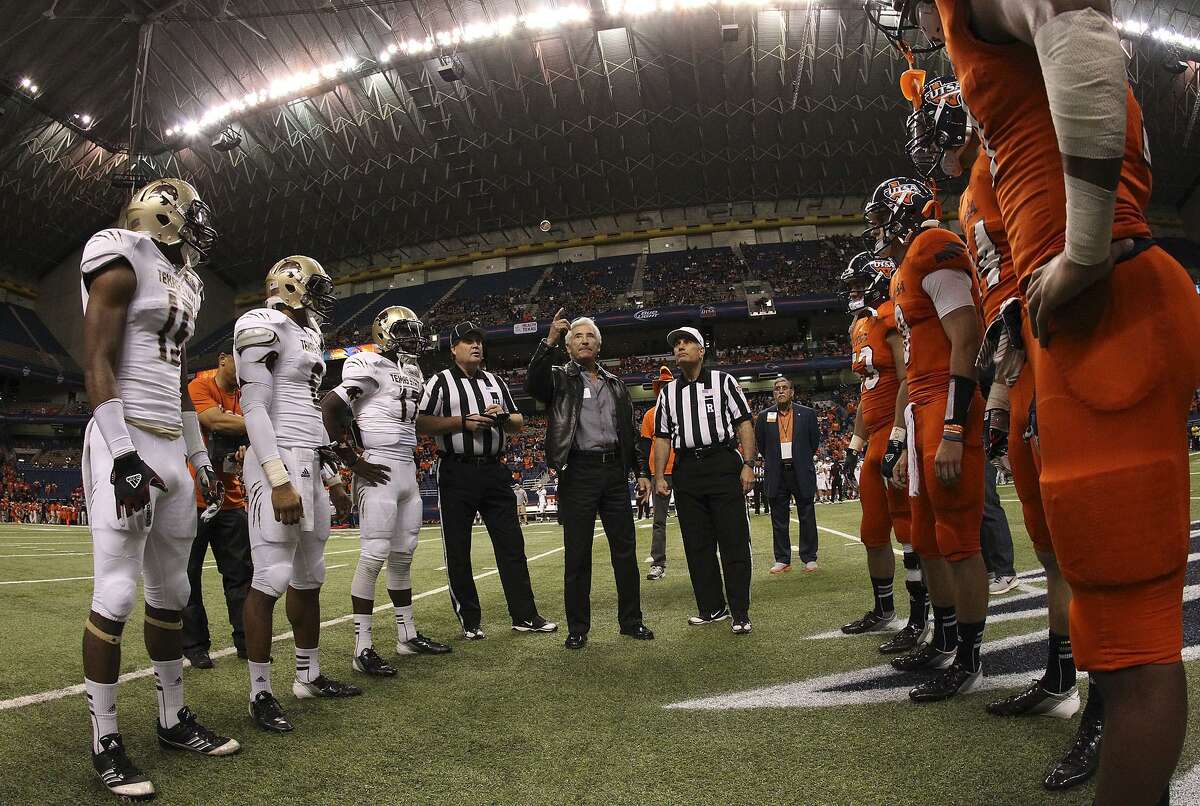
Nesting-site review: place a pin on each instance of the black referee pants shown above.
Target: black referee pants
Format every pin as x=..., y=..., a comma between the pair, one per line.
x=589, y=487
x=465, y=489
x=712, y=515
x=229, y=537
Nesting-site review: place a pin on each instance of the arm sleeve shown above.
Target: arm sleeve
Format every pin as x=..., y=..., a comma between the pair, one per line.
x=254, y=352
x=950, y=289
x=735, y=401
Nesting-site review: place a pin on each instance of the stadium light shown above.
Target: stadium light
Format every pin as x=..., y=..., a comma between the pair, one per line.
x=1165, y=35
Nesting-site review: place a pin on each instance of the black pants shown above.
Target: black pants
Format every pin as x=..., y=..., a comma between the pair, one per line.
x=465, y=489
x=995, y=538
x=590, y=487
x=836, y=491
x=760, y=499
x=229, y=538
x=658, y=532
x=781, y=510
x=712, y=513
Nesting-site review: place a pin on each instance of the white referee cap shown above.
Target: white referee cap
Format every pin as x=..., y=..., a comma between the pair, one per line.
x=679, y=332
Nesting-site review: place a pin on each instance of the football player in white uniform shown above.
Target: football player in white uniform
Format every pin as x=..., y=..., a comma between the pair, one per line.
x=278, y=355
x=141, y=295
x=379, y=395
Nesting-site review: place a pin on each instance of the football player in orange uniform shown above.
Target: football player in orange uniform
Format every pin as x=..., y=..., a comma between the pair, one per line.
x=937, y=312
x=943, y=144
x=879, y=361
x=1046, y=81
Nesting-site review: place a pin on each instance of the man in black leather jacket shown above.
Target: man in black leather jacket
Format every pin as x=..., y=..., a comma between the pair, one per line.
x=591, y=441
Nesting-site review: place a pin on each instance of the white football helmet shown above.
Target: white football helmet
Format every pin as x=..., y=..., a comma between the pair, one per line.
x=299, y=283
x=171, y=212
x=397, y=329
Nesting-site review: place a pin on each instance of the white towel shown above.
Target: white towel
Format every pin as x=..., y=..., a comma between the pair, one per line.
x=914, y=463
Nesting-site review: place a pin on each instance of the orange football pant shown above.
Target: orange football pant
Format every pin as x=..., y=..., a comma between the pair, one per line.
x=946, y=520
x=1023, y=458
x=1113, y=394
x=884, y=507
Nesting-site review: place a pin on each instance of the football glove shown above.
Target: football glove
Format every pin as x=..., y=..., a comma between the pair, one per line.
x=850, y=463
x=212, y=490
x=132, y=479
x=891, y=457
x=995, y=436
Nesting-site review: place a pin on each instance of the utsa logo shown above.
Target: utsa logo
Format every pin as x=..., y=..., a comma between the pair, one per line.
x=943, y=92
x=1008, y=662
x=902, y=193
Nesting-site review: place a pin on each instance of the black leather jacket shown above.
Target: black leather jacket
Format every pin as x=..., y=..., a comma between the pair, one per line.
x=555, y=380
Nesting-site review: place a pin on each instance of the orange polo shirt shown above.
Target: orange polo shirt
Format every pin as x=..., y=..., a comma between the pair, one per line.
x=205, y=395
x=648, y=432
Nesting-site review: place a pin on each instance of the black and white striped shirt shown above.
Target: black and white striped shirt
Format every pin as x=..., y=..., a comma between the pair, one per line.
x=701, y=413
x=450, y=393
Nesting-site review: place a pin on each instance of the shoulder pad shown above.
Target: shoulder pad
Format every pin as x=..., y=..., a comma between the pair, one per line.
x=936, y=249
x=260, y=315
x=252, y=336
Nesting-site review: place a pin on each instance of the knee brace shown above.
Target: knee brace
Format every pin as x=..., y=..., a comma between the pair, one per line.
x=113, y=596
x=108, y=638
x=273, y=579
x=365, y=576
x=399, y=570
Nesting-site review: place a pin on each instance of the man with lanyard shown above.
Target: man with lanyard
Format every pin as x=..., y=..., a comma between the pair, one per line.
x=700, y=414
x=469, y=410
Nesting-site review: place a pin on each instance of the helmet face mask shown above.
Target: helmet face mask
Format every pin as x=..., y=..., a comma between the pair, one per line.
x=940, y=126
x=866, y=279
x=895, y=211
x=300, y=283
x=398, y=330
x=901, y=21
x=172, y=213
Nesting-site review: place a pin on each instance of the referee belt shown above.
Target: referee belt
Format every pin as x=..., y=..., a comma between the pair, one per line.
x=707, y=452
x=601, y=457
x=470, y=460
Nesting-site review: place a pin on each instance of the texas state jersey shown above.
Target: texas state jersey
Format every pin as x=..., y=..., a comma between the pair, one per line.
x=1004, y=89
x=874, y=364
x=160, y=319
x=384, y=397
x=987, y=243
x=926, y=347
x=293, y=354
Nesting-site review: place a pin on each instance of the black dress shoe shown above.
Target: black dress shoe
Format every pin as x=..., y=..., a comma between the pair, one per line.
x=199, y=658
x=577, y=640
x=641, y=632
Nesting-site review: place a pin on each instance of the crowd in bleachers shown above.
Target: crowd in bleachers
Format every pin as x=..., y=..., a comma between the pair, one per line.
x=36, y=501
x=693, y=276
x=803, y=267
x=583, y=289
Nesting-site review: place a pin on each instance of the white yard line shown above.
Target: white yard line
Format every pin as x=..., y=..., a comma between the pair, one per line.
x=70, y=691
x=848, y=536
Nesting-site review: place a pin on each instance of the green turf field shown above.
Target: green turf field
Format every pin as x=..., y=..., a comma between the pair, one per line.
x=517, y=719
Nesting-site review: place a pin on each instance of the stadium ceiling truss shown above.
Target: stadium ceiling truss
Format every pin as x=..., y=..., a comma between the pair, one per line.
x=613, y=115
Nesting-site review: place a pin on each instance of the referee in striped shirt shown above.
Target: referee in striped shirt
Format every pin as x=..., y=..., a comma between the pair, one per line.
x=702, y=415
x=469, y=410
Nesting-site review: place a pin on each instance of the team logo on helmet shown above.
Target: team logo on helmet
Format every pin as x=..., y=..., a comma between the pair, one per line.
x=897, y=209
x=866, y=279
x=397, y=329
x=939, y=125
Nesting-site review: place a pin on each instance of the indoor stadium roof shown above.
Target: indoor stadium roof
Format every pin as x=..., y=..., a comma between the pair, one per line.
x=370, y=125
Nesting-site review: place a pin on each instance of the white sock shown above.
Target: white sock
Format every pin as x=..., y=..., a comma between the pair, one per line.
x=260, y=678
x=405, y=629
x=168, y=680
x=362, y=633
x=102, y=703
x=308, y=664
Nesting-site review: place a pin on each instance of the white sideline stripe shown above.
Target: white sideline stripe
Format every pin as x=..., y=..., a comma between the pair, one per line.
x=58, y=694
x=31, y=581
x=848, y=536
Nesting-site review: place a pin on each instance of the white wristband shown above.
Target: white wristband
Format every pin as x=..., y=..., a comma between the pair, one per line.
x=276, y=471
x=857, y=443
x=898, y=435
x=1090, y=211
x=110, y=419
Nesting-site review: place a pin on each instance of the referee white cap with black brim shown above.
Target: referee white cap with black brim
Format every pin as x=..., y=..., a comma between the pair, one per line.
x=680, y=332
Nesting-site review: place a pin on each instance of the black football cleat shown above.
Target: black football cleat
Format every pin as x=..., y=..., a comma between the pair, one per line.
x=267, y=713
x=954, y=680
x=421, y=646
x=923, y=659
x=119, y=774
x=323, y=687
x=1036, y=701
x=904, y=641
x=188, y=734
x=870, y=622
x=1082, y=757
x=368, y=662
